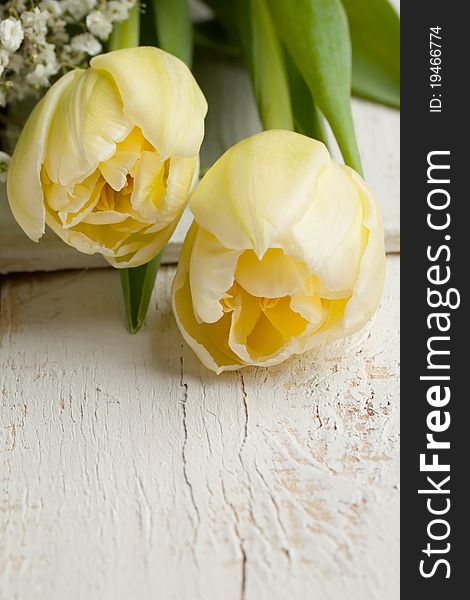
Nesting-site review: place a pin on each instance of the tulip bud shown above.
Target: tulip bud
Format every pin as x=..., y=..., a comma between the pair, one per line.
x=286, y=250
x=108, y=156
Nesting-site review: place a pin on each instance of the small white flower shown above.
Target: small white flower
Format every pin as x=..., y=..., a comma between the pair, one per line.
x=99, y=24
x=4, y=58
x=36, y=40
x=11, y=34
x=119, y=10
x=38, y=77
x=15, y=63
x=85, y=42
x=36, y=22
x=4, y=164
x=53, y=7
x=78, y=8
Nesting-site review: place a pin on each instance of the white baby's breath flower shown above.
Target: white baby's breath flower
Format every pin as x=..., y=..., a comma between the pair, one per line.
x=87, y=43
x=4, y=164
x=4, y=63
x=99, y=24
x=35, y=21
x=40, y=75
x=15, y=62
x=53, y=7
x=11, y=34
x=78, y=8
x=17, y=5
x=40, y=39
x=118, y=9
x=4, y=58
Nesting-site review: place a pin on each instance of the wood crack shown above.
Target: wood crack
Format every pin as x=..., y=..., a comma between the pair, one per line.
x=188, y=483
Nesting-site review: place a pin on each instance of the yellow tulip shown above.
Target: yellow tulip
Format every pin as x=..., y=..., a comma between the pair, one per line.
x=108, y=156
x=286, y=251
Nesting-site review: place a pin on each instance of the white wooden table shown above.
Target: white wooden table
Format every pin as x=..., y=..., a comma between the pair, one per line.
x=128, y=470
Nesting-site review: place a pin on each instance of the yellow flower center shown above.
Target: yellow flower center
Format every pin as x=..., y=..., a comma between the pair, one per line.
x=277, y=298
x=122, y=198
x=106, y=200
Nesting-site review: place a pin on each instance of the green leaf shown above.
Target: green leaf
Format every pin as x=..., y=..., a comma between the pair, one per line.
x=224, y=11
x=174, y=28
x=137, y=285
x=375, y=39
x=212, y=34
x=307, y=117
x=148, y=33
x=263, y=52
x=316, y=34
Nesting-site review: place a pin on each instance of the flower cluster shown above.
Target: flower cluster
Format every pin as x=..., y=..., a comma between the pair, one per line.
x=39, y=40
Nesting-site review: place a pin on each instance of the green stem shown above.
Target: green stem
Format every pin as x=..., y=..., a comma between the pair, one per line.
x=137, y=283
x=263, y=50
x=127, y=33
x=174, y=28
x=307, y=117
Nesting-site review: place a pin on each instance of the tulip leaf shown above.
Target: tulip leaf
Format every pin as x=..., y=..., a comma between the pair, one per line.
x=265, y=59
x=137, y=285
x=375, y=39
x=148, y=34
x=174, y=28
x=212, y=34
x=307, y=117
x=316, y=34
x=224, y=11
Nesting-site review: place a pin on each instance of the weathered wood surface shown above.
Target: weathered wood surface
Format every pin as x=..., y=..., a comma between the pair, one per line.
x=127, y=470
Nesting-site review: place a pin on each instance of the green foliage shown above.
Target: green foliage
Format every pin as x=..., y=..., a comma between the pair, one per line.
x=174, y=28
x=316, y=34
x=375, y=36
x=137, y=285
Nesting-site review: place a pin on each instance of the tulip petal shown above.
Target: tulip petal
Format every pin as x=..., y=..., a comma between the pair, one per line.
x=135, y=254
x=200, y=336
x=71, y=219
x=264, y=342
x=116, y=169
x=370, y=283
x=309, y=307
x=181, y=176
x=244, y=320
x=57, y=196
x=289, y=323
x=160, y=96
x=74, y=238
x=211, y=274
x=273, y=276
x=82, y=191
x=268, y=182
x=106, y=217
x=24, y=188
x=150, y=175
x=90, y=112
x=330, y=237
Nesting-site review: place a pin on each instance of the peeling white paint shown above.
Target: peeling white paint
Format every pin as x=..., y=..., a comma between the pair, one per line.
x=129, y=471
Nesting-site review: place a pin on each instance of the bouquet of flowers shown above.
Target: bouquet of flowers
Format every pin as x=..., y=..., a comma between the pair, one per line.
x=104, y=120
